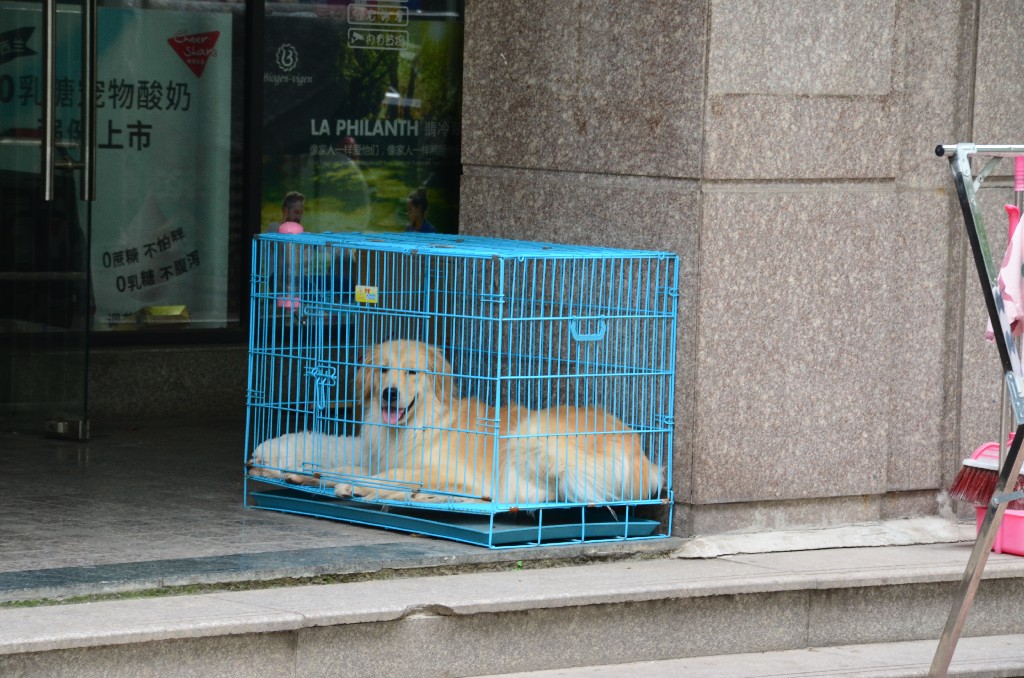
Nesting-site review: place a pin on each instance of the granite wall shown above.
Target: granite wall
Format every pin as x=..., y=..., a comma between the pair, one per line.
x=832, y=367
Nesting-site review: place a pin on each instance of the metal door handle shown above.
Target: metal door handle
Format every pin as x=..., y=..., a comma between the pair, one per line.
x=49, y=140
x=49, y=81
x=88, y=192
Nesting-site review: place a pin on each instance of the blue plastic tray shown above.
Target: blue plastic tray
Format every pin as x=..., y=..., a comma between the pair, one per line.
x=504, y=530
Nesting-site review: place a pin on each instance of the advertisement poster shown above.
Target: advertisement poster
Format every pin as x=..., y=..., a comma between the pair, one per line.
x=160, y=219
x=361, y=109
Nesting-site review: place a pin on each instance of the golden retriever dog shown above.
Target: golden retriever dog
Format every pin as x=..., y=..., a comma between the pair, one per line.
x=420, y=441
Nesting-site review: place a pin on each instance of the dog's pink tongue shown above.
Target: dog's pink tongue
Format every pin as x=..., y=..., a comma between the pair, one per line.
x=393, y=416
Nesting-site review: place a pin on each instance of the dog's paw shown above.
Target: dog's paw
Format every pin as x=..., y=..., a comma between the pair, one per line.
x=378, y=494
x=427, y=498
x=360, y=492
x=343, y=490
x=465, y=500
x=260, y=472
x=390, y=495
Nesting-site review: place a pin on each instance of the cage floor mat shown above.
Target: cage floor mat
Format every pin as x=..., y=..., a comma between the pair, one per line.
x=503, y=530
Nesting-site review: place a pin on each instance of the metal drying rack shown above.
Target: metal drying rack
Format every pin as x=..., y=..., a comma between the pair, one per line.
x=967, y=184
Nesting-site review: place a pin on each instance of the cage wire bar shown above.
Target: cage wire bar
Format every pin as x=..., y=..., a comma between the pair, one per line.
x=968, y=181
x=524, y=325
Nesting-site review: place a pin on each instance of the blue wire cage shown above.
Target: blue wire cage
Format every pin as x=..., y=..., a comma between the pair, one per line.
x=497, y=392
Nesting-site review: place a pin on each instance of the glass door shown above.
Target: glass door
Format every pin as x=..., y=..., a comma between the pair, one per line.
x=46, y=184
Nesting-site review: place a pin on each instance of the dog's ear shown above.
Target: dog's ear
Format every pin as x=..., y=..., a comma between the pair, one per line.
x=364, y=376
x=442, y=369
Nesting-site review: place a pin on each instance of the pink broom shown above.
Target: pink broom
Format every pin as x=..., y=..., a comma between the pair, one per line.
x=979, y=475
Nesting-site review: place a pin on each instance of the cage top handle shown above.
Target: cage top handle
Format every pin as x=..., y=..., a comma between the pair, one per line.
x=596, y=335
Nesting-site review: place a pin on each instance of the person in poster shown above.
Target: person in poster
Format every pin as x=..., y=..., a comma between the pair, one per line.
x=292, y=208
x=416, y=208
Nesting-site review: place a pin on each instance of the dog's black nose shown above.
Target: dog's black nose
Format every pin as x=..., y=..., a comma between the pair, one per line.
x=389, y=395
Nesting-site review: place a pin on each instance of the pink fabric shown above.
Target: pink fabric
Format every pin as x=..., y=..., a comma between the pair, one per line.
x=1011, y=282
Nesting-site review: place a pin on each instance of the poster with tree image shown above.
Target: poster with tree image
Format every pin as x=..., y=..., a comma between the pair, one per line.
x=362, y=106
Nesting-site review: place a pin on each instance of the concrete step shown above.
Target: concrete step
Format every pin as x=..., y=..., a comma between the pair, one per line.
x=529, y=620
x=976, y=657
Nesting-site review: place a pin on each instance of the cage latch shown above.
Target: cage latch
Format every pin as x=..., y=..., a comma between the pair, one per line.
x=324, y=377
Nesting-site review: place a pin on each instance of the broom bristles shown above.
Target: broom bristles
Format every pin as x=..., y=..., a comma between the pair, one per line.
x=976, y=485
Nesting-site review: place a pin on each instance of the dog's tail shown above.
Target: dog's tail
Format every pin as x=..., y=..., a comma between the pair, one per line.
x=577, y=456
x=609, y=467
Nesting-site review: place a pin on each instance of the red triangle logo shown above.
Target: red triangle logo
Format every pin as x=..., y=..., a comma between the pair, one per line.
x=196, y=49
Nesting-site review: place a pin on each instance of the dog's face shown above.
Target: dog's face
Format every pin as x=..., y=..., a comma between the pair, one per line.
x=403, y=381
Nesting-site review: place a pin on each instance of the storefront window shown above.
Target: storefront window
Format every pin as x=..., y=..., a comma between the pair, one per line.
x=164, y=229
x=362, y=111
x=361, y=117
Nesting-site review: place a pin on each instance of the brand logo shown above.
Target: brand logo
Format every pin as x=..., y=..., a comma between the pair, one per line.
x=14, y=44
x=367, y=294
x=287, y=57
x=196, y=49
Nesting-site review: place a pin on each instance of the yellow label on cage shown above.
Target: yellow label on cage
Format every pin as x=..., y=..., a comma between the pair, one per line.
x=366, y=294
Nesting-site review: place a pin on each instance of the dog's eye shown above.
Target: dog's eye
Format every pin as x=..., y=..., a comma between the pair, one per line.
x=384, y=370
x=412, y=372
